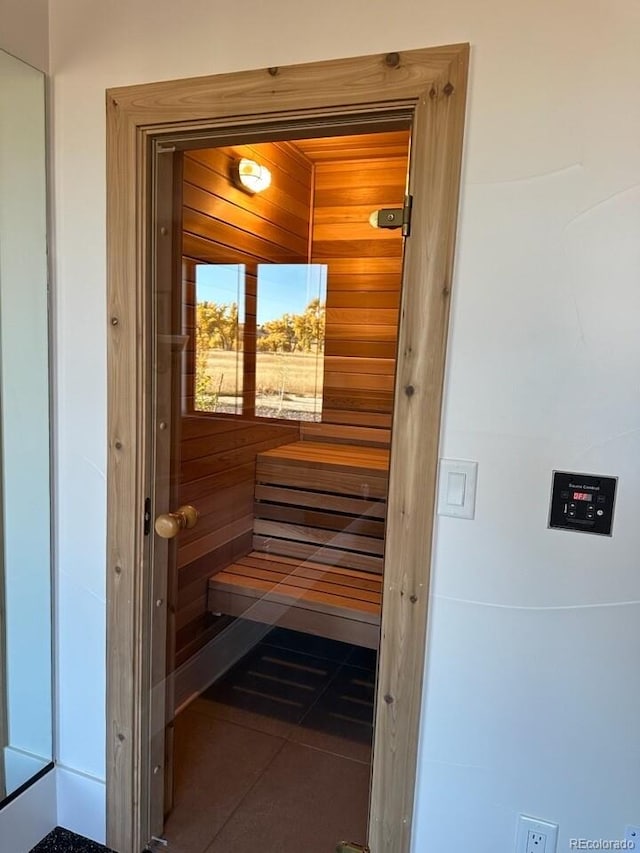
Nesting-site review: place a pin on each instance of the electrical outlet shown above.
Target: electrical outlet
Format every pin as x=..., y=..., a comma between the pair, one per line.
x=536, y=842
x=536, y=836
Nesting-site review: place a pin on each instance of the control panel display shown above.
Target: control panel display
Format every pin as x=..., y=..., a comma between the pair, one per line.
x=582, y=502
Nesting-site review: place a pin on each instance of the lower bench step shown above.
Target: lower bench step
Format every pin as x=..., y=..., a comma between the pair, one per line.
x=341, y=604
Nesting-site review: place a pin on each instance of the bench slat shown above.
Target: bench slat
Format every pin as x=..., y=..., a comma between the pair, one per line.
x=285, y=593
x=325, y=500
x=299, y=581
x=324, y=554
x=331, y=574
x=278, y=473
x=311, y=564
x=319, y=536
x=336, y=521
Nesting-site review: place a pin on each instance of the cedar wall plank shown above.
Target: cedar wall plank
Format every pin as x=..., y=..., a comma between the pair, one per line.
x=222, y=224
x=340, y=148
x=364, y=273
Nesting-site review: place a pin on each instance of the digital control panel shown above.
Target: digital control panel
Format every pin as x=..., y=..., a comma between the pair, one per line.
x=582, y=502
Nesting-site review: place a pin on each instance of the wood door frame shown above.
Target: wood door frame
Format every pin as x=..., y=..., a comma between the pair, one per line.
x=432, y=82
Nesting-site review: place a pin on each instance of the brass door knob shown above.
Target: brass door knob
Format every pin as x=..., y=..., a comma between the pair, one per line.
x=169, y=524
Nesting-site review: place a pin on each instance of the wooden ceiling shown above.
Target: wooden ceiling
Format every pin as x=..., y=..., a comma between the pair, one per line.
x=373, y=146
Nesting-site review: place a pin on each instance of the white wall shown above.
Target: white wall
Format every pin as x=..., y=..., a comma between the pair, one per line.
x=24, y=30
x=533, y=697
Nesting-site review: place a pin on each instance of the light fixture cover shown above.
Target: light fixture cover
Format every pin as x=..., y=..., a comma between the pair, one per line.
x=252, y=176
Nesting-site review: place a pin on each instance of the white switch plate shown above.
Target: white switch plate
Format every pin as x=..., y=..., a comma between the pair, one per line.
x=457, y=480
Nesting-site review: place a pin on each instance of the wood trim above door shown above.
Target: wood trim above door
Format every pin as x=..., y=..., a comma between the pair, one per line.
x=432, y=83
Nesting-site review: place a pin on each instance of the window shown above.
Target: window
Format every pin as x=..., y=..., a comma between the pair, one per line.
x=287, y=348
x=220, y=320
x=290, y=330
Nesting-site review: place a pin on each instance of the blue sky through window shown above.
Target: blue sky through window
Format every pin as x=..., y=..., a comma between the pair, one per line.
x=222, y=284
x=282, y=288
x=289, y=288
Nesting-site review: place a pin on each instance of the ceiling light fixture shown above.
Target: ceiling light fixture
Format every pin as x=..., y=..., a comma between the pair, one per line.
x=251, y=176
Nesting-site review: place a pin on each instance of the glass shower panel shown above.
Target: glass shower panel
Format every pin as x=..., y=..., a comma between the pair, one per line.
x=25, y=567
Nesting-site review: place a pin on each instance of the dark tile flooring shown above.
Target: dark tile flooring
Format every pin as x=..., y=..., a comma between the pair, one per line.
x=276, y=755
x=61, y=840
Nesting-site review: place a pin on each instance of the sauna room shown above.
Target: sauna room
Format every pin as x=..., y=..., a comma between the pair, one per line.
x=286, y=297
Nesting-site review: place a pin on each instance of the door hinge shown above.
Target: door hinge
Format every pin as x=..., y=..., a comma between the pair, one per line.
x=396, y=217
x=351, y=847
x=155, y=844
x=147, y=516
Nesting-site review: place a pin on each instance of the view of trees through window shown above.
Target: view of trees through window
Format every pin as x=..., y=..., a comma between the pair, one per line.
x=219, y=337
x=289, y=340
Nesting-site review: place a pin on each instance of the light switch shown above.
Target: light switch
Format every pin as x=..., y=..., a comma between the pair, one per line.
x=457, y=488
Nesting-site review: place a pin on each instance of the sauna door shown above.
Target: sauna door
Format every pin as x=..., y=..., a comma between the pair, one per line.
x=276, y=335
x=276, y=316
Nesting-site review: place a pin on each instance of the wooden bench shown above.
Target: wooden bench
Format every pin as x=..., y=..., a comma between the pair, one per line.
x=341, y=604
x=318, y=543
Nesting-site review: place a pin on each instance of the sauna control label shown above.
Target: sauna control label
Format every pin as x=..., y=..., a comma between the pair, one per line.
x=582, y=502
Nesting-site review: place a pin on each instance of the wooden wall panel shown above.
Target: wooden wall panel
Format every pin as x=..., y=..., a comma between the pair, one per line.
x=218, y=477
x=391, y=143
x=353, y=177
x=223, y=224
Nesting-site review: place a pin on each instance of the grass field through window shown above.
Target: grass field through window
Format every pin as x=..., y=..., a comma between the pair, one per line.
x=288, y=384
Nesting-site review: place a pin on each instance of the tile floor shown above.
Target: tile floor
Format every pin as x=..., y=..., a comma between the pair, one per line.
x=62, y=840
x=276, y=756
